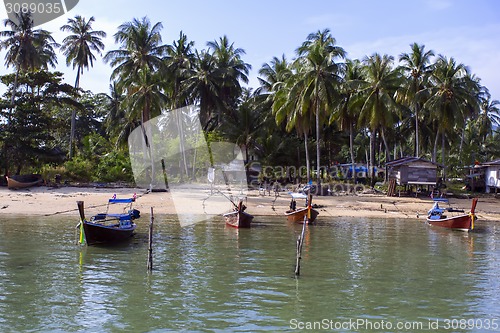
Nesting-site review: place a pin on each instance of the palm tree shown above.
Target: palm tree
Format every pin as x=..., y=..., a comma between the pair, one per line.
x=203, y=83
x=346, y=110
x=230, y=70
x=140, y=48
x=377, y=111
x=245, y=130
x=27, y=49
x=273, y=75
x=489, y=116
x=320, y=77
x=452, y=93
x=417, y=67
x=78, y=47
x=179, y=61
x=288, y=107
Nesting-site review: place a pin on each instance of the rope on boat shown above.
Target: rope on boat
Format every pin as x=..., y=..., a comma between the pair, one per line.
x=95, y=206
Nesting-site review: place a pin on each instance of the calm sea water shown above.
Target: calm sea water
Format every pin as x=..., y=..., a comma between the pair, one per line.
x=375, y=274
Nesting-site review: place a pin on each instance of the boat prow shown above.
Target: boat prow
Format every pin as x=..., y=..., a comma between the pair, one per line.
x=238, y=218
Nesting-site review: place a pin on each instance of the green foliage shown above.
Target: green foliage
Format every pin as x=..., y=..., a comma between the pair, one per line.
x=114, y=166
x=79, y=168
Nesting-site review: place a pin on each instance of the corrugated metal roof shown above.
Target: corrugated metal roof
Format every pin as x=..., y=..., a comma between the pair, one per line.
x=408, y=160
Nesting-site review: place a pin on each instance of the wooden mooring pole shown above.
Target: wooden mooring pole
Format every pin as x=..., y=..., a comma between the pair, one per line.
x=300, y=242
x=150, y=247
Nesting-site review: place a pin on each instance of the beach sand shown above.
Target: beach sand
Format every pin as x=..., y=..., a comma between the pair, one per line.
x=47, y=201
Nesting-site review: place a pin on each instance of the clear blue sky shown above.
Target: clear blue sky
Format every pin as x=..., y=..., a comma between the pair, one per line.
x=467, y=30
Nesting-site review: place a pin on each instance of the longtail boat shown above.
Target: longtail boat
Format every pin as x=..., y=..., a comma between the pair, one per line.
x=463, y=222
x=238, y=218
x=300, y=215
x=106, y=228
x=23, y=181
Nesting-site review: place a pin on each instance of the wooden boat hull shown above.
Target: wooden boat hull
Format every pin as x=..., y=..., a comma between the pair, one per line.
x=461, y=222
x=96, y=233
x=238, y=219
x=23, y=181
x=298, y=215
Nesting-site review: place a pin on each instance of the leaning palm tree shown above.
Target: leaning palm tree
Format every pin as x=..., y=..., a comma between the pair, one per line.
x=321, y=77
x=417, y=67
x=78, y=47
x=379, y=105
x=27, y=49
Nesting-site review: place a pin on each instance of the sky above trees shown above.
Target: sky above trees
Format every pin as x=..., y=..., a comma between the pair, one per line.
x=467, y=31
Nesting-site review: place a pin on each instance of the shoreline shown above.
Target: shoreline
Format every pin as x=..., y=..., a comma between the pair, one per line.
x=49, y=201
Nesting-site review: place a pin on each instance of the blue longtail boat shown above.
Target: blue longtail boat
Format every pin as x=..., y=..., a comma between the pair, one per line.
x=108, y=228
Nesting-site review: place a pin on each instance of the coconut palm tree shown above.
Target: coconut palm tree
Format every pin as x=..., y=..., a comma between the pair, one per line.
x=346, y=110
x=288, y=108
x=452, y=94
x=78, y=47
x=179, y=60
x=140, y=48
x=27, y=49
x=273, y=75
x=320, y=76
x=417, y=67
x=379, y=105
x=231, y=71
x=203, y=83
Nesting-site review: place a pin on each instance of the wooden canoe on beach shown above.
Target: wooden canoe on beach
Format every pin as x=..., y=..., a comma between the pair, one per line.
x=23, y=181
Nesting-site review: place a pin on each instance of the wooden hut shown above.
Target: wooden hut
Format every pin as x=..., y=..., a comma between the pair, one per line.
x=412, y=171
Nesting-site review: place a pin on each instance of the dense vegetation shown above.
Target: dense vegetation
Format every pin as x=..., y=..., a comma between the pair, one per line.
x=320, y=107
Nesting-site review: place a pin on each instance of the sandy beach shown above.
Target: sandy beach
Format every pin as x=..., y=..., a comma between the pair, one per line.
x=47, y=201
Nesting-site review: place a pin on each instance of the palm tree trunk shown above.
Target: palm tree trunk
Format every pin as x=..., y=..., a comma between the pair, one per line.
x=14, y=90
x=442, y=156
x=387, y=152
x=434, y=152
x=318, y=148
x=351, y=149
x=371, y=174
x=73, y=117
x=308, y=166
x=417, y=150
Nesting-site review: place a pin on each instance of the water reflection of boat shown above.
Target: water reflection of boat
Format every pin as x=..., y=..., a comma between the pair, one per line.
x=463, y=222
x=298, y=215
x=23, y=181
x=238, y=218
x=106, y=228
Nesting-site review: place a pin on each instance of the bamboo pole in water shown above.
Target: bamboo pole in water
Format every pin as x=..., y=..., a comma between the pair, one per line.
x=150, y=247
x=300, y=241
